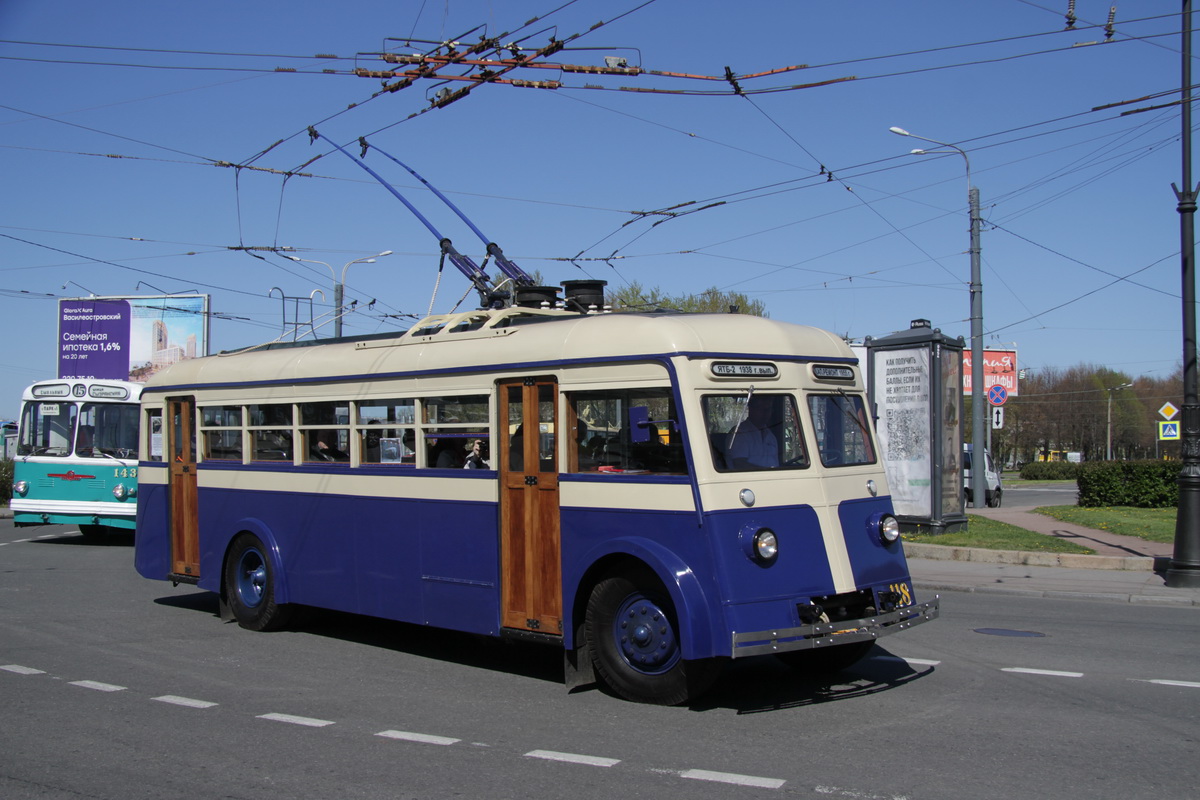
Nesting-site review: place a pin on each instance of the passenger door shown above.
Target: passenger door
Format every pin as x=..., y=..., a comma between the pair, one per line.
x=530, y=569
x=181, y=455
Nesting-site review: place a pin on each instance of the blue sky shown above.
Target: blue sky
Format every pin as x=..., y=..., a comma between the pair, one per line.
x=119, y=122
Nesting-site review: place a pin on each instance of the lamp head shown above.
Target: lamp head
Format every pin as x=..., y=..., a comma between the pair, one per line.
x=899, y=131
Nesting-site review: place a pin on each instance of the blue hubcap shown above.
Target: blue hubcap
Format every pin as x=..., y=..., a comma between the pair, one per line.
x=251, y=578
x=644, y=636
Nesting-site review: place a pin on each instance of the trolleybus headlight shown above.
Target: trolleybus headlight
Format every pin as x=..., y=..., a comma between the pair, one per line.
x=120, y=492
x=889, y=529
x=766, y=545
x=761, y=544
x=21, y=488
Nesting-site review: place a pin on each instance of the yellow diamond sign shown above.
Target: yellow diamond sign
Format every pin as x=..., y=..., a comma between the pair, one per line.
x=1168, y=411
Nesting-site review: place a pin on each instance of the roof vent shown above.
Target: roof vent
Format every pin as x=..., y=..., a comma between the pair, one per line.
x=534, y=296
x=584, y=295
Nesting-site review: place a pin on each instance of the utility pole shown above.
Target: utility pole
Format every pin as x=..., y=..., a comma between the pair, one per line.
x=1185, y=562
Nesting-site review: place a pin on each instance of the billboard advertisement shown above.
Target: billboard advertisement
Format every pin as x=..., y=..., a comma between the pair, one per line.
x=129, y=338
x=999, y=367
x=903, y=394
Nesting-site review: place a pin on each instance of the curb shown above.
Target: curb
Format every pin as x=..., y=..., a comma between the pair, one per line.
x=935, y=585
x=937, y=552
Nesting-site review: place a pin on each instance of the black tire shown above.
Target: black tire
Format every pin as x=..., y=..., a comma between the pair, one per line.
x=632, y=632
x=250, y=586
x=826, y=661
x=994, y=500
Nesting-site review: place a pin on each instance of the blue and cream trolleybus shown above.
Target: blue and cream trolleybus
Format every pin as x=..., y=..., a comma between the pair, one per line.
x=654, y=493
x=77, y=455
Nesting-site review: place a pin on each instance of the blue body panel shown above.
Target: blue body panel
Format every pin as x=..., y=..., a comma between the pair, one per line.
x=437, y=563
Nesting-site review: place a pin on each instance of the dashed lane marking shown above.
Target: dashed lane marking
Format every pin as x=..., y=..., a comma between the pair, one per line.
x=17, y=668
x=98, y=686
x=175, y=700
x=1165, y=682
x=1054, y=673
x=423, y=738
x=733, y=778
x=573, y=758
x=294, y=720
x=920, y=662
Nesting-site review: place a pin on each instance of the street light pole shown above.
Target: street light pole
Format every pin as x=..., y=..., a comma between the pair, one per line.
x=978, y=412
x=1184, y=570
x=339, y=287
x=1110, y=394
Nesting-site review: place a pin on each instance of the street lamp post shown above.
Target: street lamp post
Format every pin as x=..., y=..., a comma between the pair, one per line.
x=339, y=287
x=1110, y=394
x=1184, y=570
x=978, y=429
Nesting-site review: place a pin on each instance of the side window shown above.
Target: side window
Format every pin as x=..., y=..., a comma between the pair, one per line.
x=604, y=440
x=385, y=431
x=221, y=433
x=450, y=426
x=750, y=431
x=324, y=427
x=154, y=434
x=843, y=434
x=270, y=431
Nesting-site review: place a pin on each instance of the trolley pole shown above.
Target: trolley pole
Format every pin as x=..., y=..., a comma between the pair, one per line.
x=1185, y=562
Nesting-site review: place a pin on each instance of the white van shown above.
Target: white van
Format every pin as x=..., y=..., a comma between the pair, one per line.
x=992, y=490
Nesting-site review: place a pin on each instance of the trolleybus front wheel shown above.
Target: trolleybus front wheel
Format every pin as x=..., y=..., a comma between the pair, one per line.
x=634, y=639
x=250, y=586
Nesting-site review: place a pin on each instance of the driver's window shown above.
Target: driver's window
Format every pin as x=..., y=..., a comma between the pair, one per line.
x=843, y=434
x=751, y=431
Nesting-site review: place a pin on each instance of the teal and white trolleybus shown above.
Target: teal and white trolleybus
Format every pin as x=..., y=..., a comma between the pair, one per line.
x=652, y=493
x=76, y=460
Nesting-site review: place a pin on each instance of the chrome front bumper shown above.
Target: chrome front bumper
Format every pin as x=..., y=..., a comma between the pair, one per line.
x=832, y=634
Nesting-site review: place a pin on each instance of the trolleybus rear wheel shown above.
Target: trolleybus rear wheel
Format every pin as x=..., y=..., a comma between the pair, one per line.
x=634, y=638
x=250, y=586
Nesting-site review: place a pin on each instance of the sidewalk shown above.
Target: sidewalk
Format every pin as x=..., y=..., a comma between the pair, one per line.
x=1124, y=569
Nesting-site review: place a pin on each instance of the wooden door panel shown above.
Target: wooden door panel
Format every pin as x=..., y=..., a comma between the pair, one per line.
x=181, y=454
x=531, y=572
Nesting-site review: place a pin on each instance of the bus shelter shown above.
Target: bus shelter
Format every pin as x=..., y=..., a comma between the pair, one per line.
x=915, y=386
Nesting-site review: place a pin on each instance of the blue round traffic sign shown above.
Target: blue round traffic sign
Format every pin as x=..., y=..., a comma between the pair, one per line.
x=997, y=394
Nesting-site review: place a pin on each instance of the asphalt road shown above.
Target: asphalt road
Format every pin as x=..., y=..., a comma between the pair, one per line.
x=116, y=687
x=1019, y=496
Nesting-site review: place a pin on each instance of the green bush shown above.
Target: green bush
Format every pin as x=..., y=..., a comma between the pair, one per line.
x=1140, y=484
x=6, y=473
x=1050, y=471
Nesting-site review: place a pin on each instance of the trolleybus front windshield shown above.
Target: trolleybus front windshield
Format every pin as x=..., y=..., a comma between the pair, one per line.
x=749, y=431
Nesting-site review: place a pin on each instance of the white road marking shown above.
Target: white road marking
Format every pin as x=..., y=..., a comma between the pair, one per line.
x=731, y=777
x=17, y=668
x=98, y=686
x=1051, y=672
x=175, y=700
x=920, y=662
x=856, y=795
x=1165, y=682
x=423, y=738
x=294, y=720
x=573, y=758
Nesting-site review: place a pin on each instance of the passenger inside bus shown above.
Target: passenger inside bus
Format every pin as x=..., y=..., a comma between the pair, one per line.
x=754, y=443
x=444, y=453
x=323, y=447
